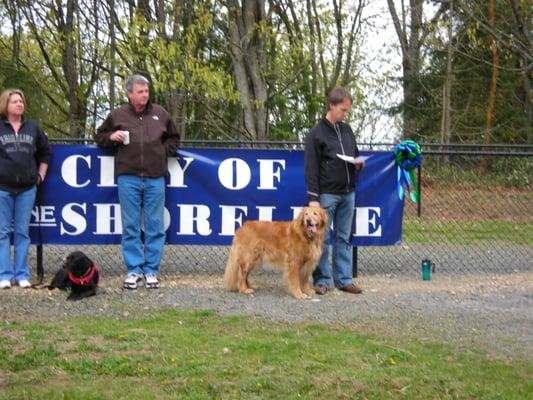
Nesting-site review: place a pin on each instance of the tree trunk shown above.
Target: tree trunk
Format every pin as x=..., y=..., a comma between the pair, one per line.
x=524, y=30
x=247, y=51
x=491, y=101
x=142, y=12
x=70, y=69
x=313, y=111
x=112, y=55
x=410, y=43
x=528, y=89
x=77, y=73
x=14, y=18
x=447, y=90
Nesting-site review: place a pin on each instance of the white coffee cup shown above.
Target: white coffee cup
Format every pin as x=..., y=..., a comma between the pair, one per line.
x=126, y=137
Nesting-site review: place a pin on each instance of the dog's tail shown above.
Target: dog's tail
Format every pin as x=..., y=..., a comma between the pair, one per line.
x=231, y=275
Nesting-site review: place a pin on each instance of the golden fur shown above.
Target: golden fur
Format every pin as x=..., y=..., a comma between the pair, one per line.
x=293, y=246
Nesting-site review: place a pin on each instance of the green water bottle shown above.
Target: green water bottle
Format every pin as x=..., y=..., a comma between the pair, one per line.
x=426, y=269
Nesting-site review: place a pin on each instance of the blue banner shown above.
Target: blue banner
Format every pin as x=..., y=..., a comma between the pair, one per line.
x=209, y=194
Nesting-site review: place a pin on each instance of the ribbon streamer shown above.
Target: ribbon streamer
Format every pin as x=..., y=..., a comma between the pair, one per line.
x=408, y=156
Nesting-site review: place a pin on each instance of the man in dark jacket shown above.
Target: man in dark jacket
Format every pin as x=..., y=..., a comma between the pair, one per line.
x=331, y=185
x=143, y=136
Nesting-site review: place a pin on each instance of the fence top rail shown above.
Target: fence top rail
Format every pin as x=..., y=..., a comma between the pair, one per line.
x=479, y=153
x=481, y=149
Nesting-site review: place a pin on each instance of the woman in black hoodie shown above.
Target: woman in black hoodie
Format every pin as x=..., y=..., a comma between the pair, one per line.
x=24, y=157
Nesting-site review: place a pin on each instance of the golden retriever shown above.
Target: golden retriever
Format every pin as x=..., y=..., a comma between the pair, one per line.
x=293, y=246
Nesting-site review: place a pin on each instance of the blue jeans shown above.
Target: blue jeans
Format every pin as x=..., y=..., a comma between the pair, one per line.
x=142, y=203
x=340, y=209
x=15, y=215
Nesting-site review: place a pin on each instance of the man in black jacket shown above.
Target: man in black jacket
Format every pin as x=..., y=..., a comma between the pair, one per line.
x=331, y=185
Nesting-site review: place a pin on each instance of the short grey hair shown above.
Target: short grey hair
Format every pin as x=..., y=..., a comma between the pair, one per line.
x=337, y=95
x=135, y=80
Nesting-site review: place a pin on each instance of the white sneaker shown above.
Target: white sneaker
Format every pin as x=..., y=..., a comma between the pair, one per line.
x=5, y=284
x=132, y=281
x=24, y=284
x=151, y=281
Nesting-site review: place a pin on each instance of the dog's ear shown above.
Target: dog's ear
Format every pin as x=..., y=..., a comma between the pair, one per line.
x=68, y=262
x=301, y=216
x=71, y=259
x=87, y=262
x=76, y=256
x=78, y=259
x=323, y=218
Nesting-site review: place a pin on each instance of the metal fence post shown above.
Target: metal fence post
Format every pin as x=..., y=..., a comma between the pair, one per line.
x=419, y=205
x=354, y=261
x=40, y=268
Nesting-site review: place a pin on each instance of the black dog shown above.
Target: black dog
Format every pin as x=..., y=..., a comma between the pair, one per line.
x=79, y=274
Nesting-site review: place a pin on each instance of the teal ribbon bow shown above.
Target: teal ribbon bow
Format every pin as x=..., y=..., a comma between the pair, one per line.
x=408, y=156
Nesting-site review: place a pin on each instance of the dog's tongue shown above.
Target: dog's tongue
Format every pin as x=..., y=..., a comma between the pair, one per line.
x=312, y=228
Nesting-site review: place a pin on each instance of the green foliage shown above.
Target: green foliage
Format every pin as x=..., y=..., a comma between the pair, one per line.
x=184, y=50
x=176, y=62
x=13, y=77
x=297, y=92
x=471, y=75
x=513, y=172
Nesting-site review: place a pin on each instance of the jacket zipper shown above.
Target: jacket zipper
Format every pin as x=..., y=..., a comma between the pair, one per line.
x=142, y=144
x=338, y=132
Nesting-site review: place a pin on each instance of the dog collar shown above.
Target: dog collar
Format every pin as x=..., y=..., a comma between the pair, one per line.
x=85, y=279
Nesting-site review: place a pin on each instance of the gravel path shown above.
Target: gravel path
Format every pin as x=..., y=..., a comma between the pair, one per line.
x=492, y=312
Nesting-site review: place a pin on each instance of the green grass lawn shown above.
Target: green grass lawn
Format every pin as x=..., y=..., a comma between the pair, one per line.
x=199, y=355
x=417, y=230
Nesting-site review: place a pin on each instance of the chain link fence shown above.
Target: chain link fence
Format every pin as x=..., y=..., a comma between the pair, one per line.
x=465, y=223
x=475, y=216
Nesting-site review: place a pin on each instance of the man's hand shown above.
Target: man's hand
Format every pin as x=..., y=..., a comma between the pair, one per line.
x=118, y=136
x=314, y=204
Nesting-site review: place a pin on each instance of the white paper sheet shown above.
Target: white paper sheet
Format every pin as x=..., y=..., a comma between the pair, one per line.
x=352, y=160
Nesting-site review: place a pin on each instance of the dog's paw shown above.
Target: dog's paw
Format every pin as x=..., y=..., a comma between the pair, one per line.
x=247, y=291
x=300, y=295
